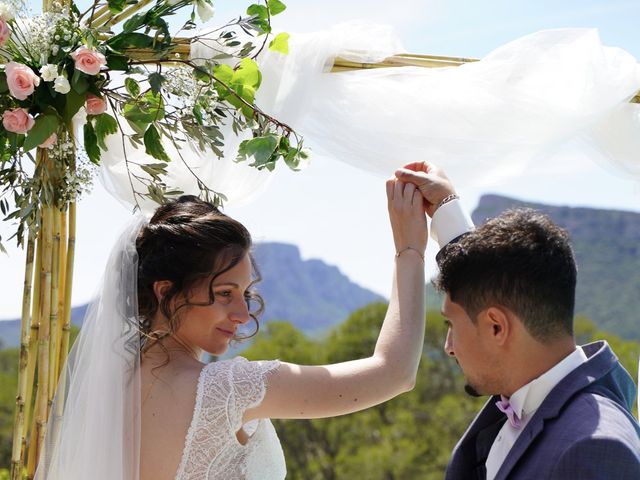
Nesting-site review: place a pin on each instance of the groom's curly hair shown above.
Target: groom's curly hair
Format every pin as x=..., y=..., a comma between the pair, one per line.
x=520, y=260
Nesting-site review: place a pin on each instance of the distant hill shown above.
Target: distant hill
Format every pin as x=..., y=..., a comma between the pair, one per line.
x=309, y=293
x=607, y=249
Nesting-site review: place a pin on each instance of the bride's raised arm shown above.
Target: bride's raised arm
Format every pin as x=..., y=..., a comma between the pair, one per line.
x=300, y=391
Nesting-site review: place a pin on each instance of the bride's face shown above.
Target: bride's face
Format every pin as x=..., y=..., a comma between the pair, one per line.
x=212, y=327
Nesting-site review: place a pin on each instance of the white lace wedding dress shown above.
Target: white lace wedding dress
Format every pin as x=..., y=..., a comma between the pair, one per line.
x=212, y=451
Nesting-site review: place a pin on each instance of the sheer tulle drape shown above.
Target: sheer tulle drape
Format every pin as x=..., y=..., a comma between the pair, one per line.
x=480, y=121
x=94, y=426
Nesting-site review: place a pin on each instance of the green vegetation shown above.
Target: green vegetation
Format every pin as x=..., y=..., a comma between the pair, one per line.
x=409, y=437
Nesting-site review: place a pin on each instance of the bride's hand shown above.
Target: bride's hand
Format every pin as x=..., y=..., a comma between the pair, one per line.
x=430, y=180
x=406, y=213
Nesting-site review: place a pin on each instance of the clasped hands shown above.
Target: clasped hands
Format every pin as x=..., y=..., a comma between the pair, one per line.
x=417, y=188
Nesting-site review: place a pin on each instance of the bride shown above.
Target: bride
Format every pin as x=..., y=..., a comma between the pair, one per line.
x=140, y=402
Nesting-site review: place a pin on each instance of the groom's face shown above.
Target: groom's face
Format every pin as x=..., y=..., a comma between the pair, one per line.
x=466, y=344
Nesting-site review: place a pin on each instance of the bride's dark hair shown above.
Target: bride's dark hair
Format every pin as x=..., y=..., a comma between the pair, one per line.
x=186, y=241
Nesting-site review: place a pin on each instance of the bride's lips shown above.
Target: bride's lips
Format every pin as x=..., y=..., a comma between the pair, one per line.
x=227, y=333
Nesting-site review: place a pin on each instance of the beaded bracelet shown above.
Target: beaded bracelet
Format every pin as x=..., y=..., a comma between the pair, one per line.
x=411, y=248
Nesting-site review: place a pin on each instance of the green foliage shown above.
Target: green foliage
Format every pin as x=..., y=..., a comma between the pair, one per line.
x=8, y=389
x=280, y=43
x=91, y=143
x=243, y=83
x=105, y=125
x=153, y=146
x=262, y=150
x=44, y=126
x=408, y=437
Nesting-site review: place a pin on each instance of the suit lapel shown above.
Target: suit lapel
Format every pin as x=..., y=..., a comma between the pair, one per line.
x=601, y=361
x=470, y=454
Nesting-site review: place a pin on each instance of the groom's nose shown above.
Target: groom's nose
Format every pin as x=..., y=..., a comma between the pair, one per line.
x=448, y=344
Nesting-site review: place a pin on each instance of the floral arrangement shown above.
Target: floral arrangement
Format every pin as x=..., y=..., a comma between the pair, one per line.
x=114, y=68
x=62, y=61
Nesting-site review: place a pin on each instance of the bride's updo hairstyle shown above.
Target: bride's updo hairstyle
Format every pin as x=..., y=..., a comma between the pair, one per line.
x=187, y=241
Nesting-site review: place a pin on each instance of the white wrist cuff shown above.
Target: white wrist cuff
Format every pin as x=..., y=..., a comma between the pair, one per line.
x=450, y=221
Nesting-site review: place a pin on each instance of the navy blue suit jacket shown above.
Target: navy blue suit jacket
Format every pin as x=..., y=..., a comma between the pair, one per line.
x=582, y=430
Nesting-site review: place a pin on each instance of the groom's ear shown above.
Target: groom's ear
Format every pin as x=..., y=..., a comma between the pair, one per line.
x=498, y=324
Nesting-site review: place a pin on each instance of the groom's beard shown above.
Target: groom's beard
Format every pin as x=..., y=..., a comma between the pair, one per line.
x=471, y=391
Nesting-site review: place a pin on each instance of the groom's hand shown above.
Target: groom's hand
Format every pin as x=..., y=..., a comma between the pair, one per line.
x=430, y=180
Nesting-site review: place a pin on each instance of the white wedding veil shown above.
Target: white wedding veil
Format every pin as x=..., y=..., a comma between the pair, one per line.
x=94, y=424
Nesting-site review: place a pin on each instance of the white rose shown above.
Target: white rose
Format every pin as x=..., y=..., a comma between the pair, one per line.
x=205, y=10
x=61, y=85
x=6, y=11
x=49, y=72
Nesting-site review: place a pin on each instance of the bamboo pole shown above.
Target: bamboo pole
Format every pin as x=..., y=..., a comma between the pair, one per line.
x=35, y=326
x=19, y=420
x=44, y=331
x=62, y=284
x=32, y=459
x=53, y=316
x=97, y=14
x=126, y=13
x=66, y=328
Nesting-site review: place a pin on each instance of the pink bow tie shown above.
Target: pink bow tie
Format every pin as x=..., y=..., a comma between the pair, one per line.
x=505, y=407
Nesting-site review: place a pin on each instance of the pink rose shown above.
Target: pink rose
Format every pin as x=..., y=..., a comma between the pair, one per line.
x=17, y=121
x=5, y=33
x=21, y=80
x=88, y=61
x=95, y=105
x=49, y=142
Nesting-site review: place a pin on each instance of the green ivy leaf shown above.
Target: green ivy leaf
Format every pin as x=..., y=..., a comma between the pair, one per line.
x=261, y=149
x=276, y=7
x=147, y=109
x=155, y=81
x=117, y=62
x=280, y=43
x=105, y=125
x=132, y=39
x=135, y=22
x=153, y=146
x=116, y=6
x=74, y=101
x=45, y=125
x=91, y=143
x=224, y=73
x=259, y=11
x=79, y=82
x=132, y=87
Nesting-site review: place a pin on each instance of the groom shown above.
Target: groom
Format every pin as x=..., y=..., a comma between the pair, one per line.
x=557, y=411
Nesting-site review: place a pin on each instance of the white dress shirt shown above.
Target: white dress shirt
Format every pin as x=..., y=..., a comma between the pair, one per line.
x=450, y=221
x=525, y=401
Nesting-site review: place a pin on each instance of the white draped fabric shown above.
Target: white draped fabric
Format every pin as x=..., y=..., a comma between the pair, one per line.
x=480, y=121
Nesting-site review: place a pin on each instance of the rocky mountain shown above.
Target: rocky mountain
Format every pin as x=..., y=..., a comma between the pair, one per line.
x=309, y=293
x=315, y=296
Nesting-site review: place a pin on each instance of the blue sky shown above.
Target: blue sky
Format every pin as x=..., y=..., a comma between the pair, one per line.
x=336, y=212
